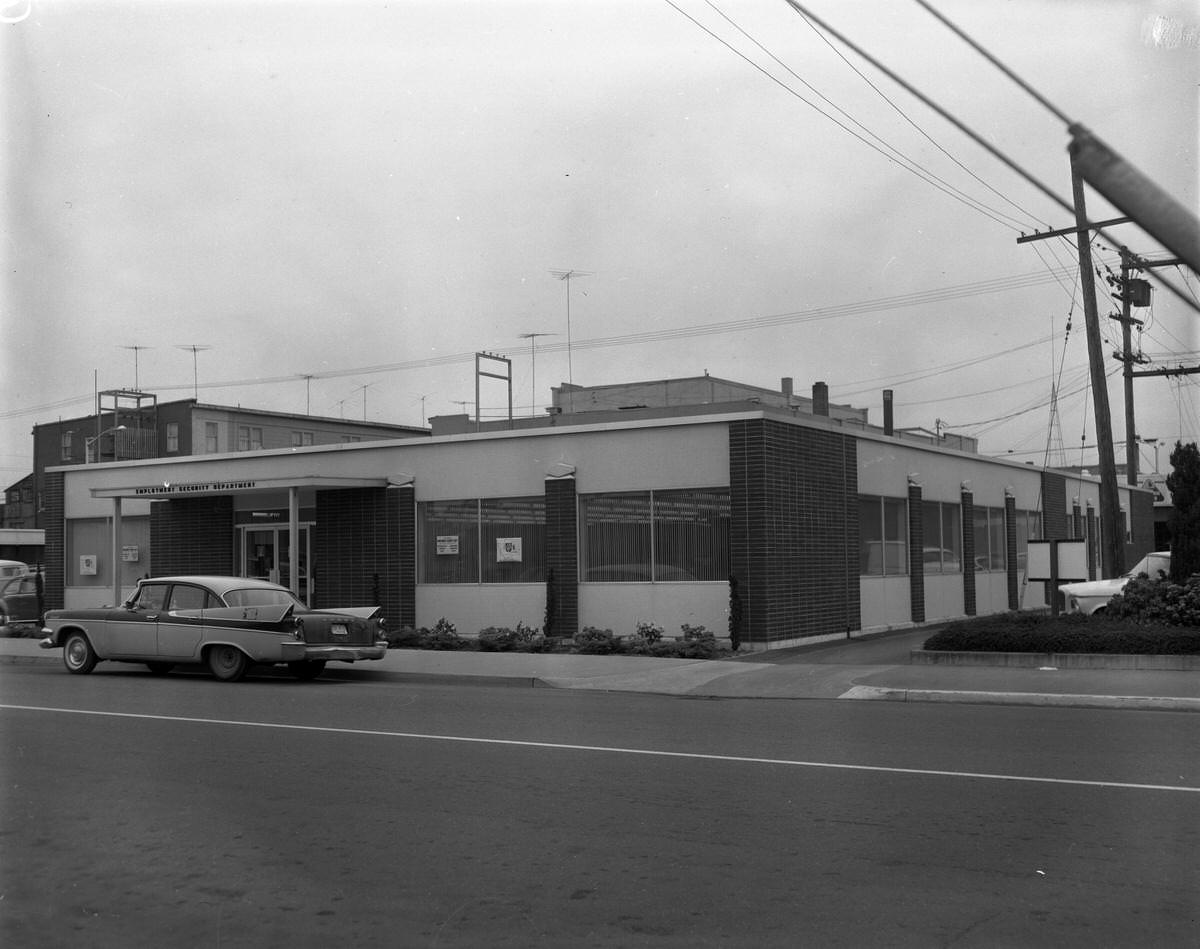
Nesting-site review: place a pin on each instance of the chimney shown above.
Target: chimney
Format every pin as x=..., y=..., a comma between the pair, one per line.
x=888, y=421
x=785, y=384
x=820, y=399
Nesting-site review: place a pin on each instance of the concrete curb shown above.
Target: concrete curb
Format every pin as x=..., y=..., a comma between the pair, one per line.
x=1057, y=660
x=1142, y=702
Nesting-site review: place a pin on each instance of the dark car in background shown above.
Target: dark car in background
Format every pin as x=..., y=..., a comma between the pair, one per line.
x=228, y=624
x=20, y=602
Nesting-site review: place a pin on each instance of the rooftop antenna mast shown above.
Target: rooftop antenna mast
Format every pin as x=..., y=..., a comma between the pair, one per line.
x=532, y=337
x=565, y=276
x=136, y=350
x=194, y=348
x=308, y=378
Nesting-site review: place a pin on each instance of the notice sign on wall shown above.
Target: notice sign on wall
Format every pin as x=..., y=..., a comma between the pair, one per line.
x=129, y=554
x=508, y=550
x=88, y=565
x=447, y=544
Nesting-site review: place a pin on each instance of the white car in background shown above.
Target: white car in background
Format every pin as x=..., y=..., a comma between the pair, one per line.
x=1092, y=596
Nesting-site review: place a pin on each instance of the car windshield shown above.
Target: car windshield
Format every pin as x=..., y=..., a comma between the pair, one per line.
x=259, y=596
x=1150, y=565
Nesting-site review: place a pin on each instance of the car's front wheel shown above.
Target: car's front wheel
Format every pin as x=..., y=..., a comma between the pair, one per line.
x=78, y=655
x=306, y=669
x=227, y=663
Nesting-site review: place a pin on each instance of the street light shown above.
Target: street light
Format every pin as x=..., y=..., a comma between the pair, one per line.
x=89, y=442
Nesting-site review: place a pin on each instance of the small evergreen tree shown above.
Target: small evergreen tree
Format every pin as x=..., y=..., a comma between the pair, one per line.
x=1184, y=485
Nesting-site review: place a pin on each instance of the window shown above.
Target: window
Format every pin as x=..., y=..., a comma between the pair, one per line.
x=883, y=533
x=249, y=438
x=990, y=546
x=65, y=446
x=494, y=540
x=172, y=437
x=211, y=444
x=655, y=536
x=301, y=439
x=347, y=439
x=942, y=527
x=1029, y=526
x=191, y=598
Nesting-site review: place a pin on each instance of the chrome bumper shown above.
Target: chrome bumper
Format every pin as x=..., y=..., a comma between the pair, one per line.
x=332, y=652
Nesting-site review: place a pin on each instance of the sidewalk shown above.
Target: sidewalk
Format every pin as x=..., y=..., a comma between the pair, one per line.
x=874, y=668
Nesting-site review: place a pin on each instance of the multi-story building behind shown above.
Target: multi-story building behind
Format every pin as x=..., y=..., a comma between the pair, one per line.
x=130, y=425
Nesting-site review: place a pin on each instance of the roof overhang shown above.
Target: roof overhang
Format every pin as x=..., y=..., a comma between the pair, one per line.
x=170, y=490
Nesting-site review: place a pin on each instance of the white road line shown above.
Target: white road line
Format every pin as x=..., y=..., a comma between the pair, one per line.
x=695, y=756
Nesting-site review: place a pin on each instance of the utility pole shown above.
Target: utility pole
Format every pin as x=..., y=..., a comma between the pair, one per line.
x=1127, y=357
x=1112, y=535
x=1111, y=528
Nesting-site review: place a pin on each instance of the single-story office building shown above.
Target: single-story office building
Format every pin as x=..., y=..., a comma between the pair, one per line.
x=797, y=525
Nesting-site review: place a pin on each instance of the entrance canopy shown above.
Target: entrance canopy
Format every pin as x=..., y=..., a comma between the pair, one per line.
x=169, y=490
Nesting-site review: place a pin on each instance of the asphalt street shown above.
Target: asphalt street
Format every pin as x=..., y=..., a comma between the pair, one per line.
x=364, y=811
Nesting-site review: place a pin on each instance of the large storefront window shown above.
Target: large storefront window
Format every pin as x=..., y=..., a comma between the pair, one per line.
x=494, y=540
x=655, y=536
x=989, y=538
x=883, y=532
x=942, y=527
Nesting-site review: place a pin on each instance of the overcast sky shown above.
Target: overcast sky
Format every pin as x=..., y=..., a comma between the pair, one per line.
x=367, y=193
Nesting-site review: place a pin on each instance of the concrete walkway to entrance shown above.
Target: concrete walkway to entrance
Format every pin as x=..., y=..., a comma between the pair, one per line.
x=869, y=668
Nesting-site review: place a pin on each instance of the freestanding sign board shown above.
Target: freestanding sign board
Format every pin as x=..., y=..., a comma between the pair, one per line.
x=1056, y=561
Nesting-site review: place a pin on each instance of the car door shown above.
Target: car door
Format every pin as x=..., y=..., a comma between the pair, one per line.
x=181, y=623
x=19, y=599
x=132, y=630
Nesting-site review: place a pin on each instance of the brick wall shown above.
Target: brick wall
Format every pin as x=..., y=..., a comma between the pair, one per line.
x=916, y=553
x=562, y=557
x=1010, y=551
x=192, y=536
x=358, y=555
x=794, y=532
x=53, y=517
x=970, y=604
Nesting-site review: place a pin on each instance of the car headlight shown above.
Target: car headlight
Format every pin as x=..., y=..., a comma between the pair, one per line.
x=298, y=628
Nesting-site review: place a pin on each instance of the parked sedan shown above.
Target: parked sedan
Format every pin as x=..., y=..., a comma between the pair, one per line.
x=20, y=601
x=227, y=623
x=1092, y=596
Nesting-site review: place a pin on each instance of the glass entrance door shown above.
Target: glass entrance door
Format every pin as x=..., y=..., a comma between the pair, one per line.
x=265, y=556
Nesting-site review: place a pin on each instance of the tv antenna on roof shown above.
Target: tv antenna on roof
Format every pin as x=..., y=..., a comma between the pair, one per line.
x=565, y=276
x=194, y=348
x=136, y=349
x=532, y=337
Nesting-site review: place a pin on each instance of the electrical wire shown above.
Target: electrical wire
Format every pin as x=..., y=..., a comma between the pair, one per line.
x=906, y=164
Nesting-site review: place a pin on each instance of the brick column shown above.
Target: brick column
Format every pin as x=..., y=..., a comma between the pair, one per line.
x=1092, y=534
x=967, y=502
x=916, y=553
x=53, y=516
x=1010, y=551
x=562, y=558
x=403, y=500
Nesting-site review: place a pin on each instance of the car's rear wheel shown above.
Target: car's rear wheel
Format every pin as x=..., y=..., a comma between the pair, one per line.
x=227, y=663
x=78, y=655
x=306, y=669
x=160, y=668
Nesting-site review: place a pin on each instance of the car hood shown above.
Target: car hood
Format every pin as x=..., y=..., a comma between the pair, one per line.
x=1104, y=588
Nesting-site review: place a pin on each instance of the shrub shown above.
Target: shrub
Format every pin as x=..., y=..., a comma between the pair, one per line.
x=502, y=639
x=442, y=636
x=1071, y=633
x=698, y=643
x=1158, y=601
x=403, y=638
x=596, y=642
